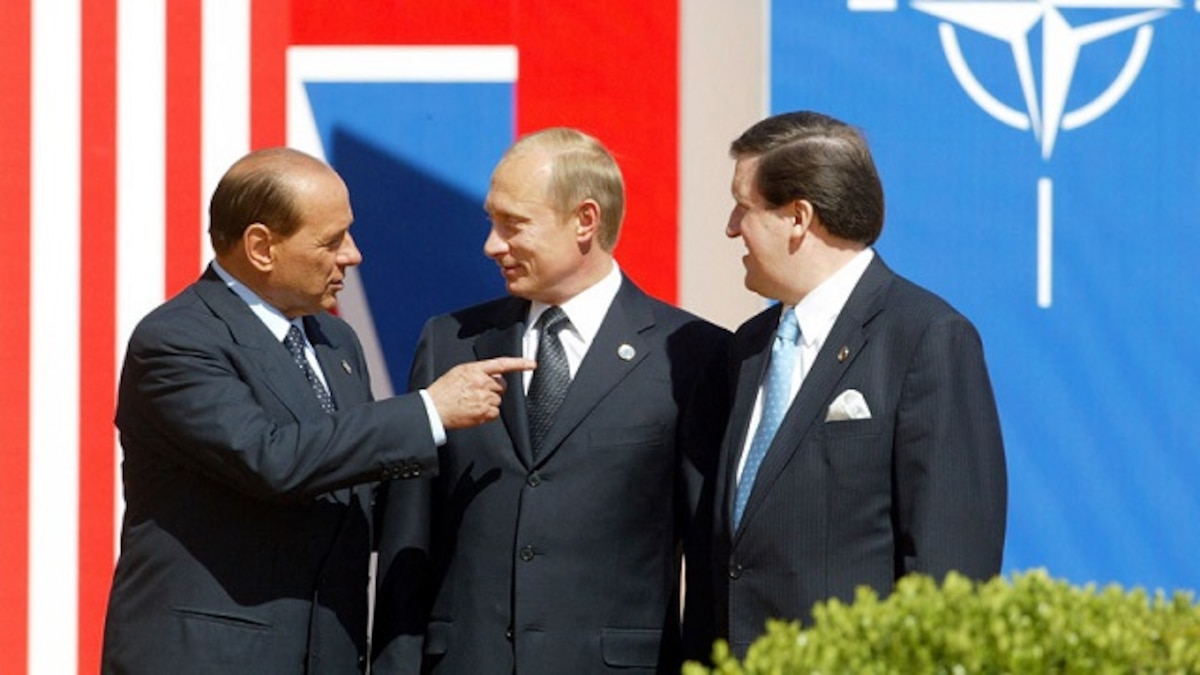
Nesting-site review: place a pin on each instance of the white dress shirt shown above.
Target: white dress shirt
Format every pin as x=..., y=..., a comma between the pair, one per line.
x=816, y=314
x=585, y=312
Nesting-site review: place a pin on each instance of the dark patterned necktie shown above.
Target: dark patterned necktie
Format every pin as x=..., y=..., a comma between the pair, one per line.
x=550, y=380
x=295, y=344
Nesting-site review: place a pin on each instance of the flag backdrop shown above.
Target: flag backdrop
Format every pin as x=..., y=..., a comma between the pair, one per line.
x=119, y=117
x=1042, y=189
x=1041, y=163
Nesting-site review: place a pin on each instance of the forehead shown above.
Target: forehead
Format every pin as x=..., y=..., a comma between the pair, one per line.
x=744, y=172
x=520, y=179
x=323, y=199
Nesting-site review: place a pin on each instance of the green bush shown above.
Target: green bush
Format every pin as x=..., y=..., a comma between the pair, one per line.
x=1031, y=624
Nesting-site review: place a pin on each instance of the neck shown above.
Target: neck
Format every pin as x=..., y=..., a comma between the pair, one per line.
x=591, y=271
x=826, y=258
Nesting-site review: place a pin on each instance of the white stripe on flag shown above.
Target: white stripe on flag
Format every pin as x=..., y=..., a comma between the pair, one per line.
x=54, y=337
x=141, y=161
x=141, y=170
x=225, y=98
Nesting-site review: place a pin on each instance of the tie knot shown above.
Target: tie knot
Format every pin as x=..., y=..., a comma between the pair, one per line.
x=789, y=327
x=553, y=319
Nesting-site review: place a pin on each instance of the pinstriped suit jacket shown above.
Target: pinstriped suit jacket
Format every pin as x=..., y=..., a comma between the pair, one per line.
x=919, y=487
x=247, y=529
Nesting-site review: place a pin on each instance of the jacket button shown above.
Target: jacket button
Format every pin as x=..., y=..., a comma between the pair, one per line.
x=533, y=480
x=508, y=634
x=735, y=571
x=526, y=553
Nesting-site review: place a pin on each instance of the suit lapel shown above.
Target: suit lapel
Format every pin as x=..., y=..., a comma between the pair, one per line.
x=337, y=365
x=253, y=337
x=845, y=342
x=345, y=386
x=504, y=339
x=278, y=372
x=606, y=363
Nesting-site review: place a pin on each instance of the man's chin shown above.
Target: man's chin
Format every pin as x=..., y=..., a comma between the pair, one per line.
x=515, y=287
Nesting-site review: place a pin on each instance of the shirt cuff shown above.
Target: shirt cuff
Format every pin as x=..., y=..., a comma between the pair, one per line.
x=435, y=422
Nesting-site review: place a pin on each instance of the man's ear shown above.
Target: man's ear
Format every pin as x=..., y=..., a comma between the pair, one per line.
x=804, y=213
x=587, y=216
x=257, y=242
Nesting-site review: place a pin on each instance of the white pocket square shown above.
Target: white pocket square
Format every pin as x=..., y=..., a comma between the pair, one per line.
x=849, y=405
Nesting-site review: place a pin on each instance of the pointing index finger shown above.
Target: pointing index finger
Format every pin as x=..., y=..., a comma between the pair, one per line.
x=506, y=364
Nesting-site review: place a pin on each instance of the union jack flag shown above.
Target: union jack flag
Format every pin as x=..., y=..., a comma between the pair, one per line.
x=118, y=118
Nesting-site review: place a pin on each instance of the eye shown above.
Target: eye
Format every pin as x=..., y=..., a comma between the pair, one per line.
x=336, y=242
x=507, y=224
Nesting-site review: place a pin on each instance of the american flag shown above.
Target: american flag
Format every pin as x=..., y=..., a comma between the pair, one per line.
x=118, y=118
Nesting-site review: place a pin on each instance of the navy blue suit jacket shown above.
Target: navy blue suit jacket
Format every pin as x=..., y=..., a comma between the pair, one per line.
x=247, y=529
x=567, y=563
x=919, y=487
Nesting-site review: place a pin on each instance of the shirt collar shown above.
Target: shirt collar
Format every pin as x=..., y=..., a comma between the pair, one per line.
x=821, y=307
x=274, y=319
x=587, y=309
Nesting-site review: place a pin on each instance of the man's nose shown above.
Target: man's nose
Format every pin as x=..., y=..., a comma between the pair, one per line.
x=733, y=227
x=348, y=254
x=494, y=246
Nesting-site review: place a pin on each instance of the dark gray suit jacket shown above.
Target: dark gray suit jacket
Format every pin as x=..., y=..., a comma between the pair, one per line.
x=568, y=563
x=246, y=534
x=919, y=487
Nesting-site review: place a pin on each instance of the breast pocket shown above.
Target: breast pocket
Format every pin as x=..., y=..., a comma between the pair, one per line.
x=637, y=437
x=858, y=453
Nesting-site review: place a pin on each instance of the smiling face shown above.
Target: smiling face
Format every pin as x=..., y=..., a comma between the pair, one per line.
x=308, y=267
x=540, y=250
x=769, y=233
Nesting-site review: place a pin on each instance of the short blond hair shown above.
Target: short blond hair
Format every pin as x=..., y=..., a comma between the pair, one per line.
x=582, y=168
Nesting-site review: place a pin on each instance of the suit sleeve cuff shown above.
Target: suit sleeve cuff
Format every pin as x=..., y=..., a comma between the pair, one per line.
x=435, y=422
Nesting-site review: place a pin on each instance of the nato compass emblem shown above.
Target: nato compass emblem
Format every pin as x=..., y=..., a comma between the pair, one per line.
x=1044, y=110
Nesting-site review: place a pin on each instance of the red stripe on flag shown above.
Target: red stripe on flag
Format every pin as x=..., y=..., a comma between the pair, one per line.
x=617, y=79
x=97, y=322
x=269, y=24
x=402, y=22
x=183, y=143
x=14, y=358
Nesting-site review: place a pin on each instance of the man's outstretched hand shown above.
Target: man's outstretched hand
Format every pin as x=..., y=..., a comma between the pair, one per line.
x=469, y=393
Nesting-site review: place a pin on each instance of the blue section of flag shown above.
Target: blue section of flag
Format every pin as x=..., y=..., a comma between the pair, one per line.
x=417, y=158
x=1098, y=393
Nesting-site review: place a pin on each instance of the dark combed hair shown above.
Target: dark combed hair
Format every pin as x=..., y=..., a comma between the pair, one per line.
x=257, y=189
x=811, y=156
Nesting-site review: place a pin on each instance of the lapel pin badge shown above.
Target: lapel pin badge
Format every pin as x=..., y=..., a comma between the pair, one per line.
x=626, y=351
x=843, y=354
x=346, y=366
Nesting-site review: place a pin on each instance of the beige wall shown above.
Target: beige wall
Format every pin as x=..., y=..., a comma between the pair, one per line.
x=723, y=90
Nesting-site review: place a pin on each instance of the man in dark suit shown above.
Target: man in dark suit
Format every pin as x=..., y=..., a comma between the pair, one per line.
x=249, y=434
x=557, y=531
x=863, y=443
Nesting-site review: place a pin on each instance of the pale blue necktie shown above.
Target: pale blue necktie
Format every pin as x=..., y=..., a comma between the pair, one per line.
x=776, y=399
